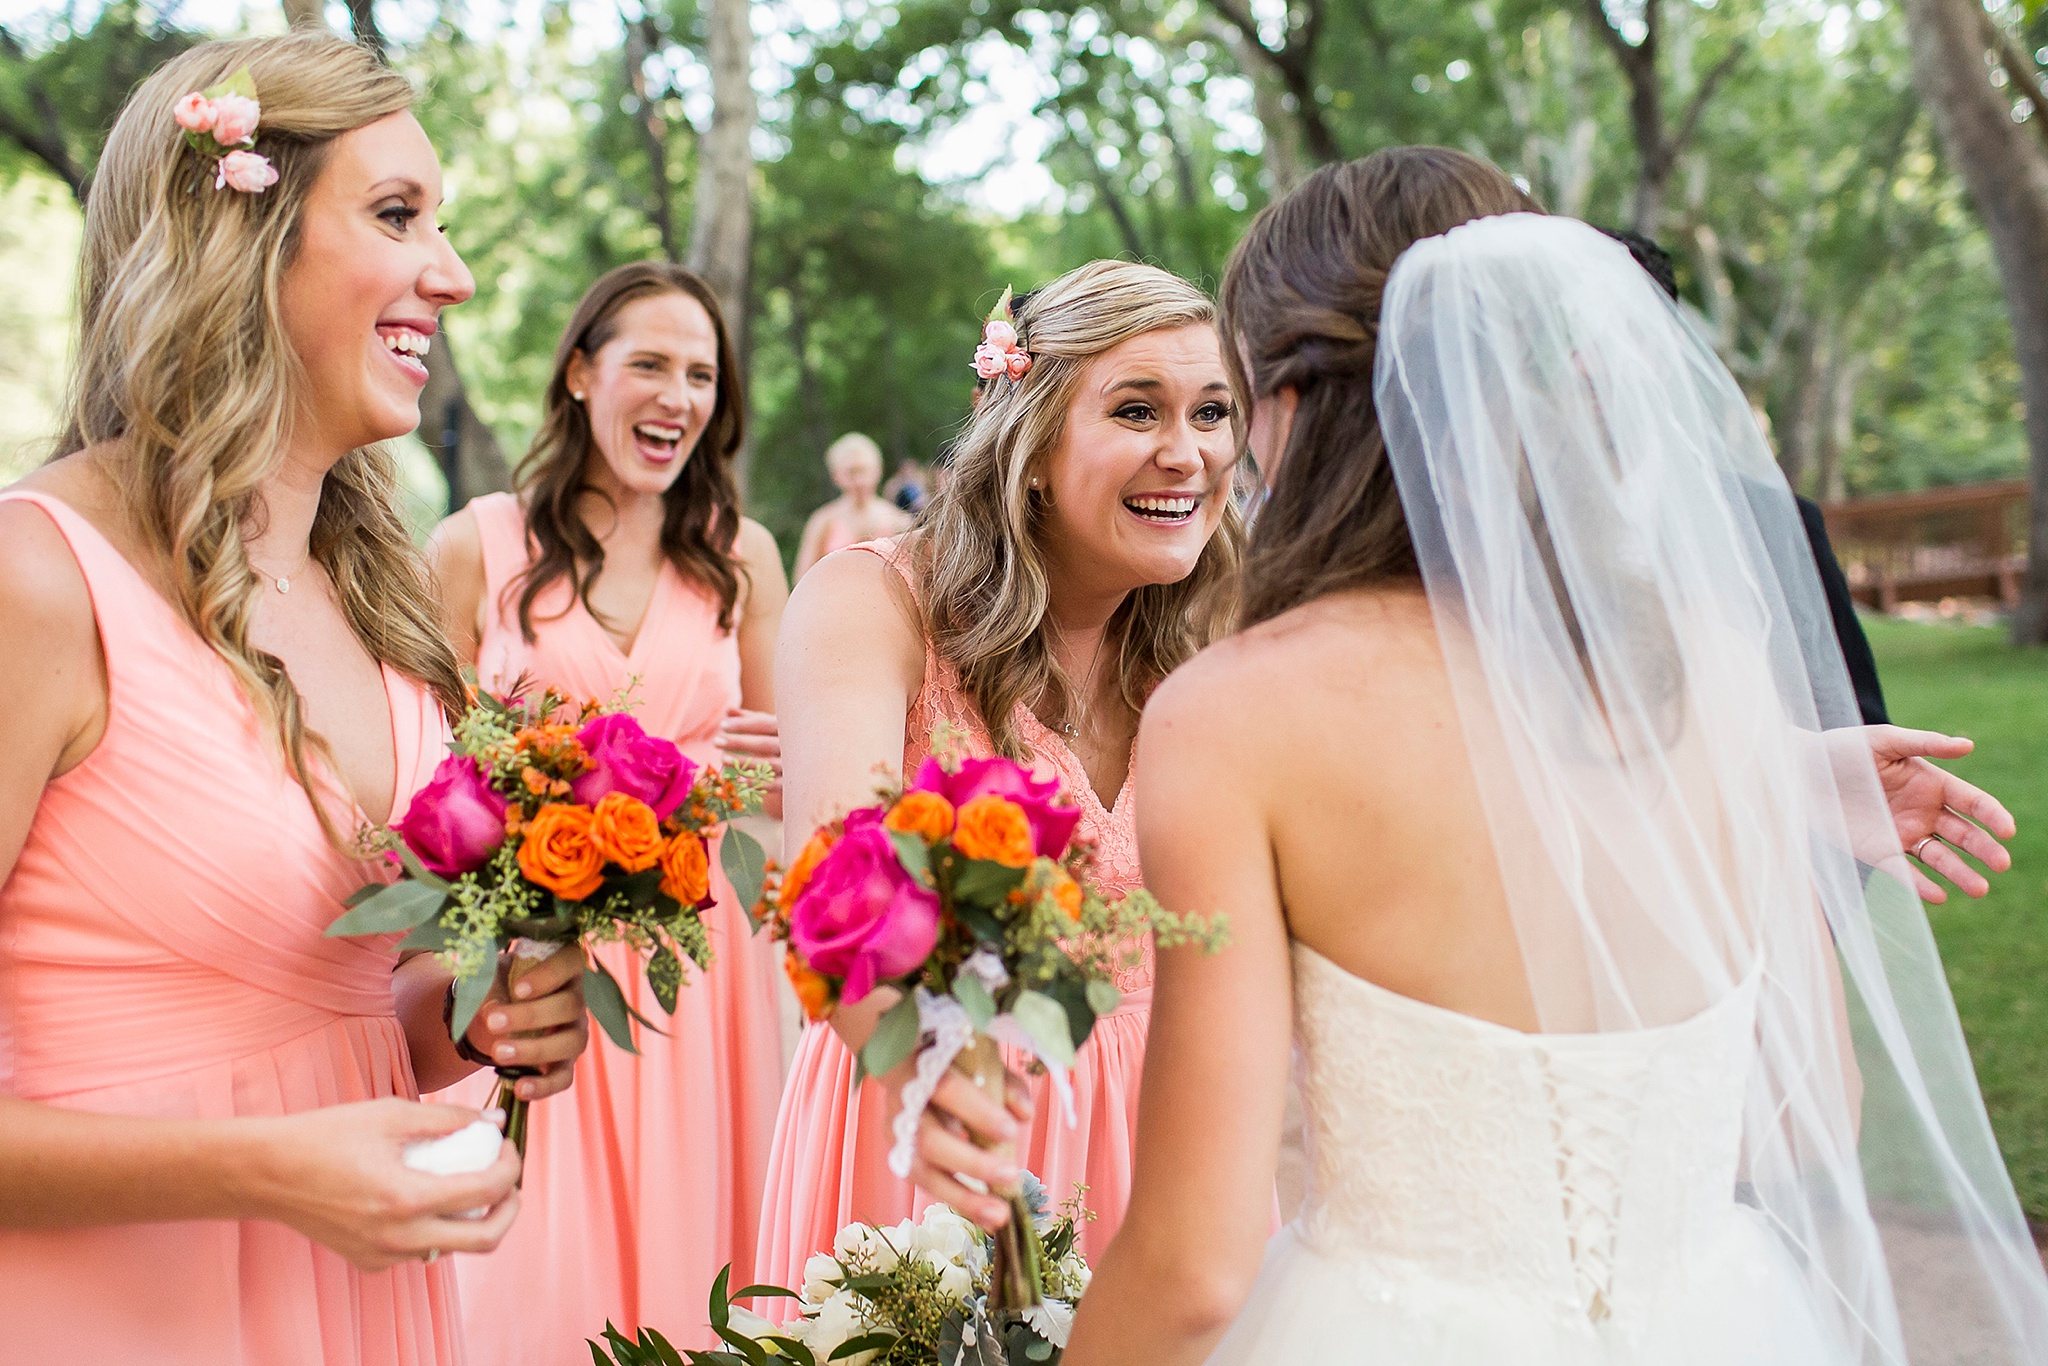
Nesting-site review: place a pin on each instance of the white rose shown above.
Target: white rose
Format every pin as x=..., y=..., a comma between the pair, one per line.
x=820, y=1273
x=948, y=1236
x=838, y=1320
x=956, y=1282
x=750, y=1324
x=860, y=1246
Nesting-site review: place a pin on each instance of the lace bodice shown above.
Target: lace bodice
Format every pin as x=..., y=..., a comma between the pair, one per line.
x=1573, y=1172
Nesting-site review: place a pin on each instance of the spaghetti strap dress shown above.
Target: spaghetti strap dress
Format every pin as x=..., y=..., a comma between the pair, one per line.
x=644, y=1178
x=162, y=954
x=829, y=1165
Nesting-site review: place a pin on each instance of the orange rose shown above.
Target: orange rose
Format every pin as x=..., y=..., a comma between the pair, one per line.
x=924, y=814
x=685, y=868
x=994, y=828
x=626, y=831
x=812, y=990
x=559, y=854
x=799, y=874
x=1066, y=894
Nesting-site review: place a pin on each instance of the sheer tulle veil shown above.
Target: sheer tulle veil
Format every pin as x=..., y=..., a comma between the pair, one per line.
x=1652, y=694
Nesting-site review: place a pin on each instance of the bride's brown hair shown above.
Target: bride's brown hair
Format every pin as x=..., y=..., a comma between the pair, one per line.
x=1301, y=303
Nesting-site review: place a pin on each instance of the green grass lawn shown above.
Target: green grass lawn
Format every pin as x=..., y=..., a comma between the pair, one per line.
x=1968, y=681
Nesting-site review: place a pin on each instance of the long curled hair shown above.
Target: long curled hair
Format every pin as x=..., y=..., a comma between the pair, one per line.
x=700, y=523
x=187, y=383
x=1301, y=296
x=977, y=555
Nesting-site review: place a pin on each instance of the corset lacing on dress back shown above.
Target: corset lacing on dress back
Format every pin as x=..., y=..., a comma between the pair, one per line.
x=1576, y=1173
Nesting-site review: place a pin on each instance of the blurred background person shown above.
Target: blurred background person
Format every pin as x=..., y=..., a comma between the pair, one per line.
x=859, y=513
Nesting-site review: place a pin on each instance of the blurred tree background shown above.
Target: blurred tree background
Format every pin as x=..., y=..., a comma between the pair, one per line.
x=911, y=158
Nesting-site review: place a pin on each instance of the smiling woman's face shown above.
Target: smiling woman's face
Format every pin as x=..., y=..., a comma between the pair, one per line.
x=363, y=294
x=650, y=390
x=1138, y=483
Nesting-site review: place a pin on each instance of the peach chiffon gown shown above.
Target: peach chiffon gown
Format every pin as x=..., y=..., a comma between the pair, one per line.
x=830, y=1166
x=644, y=1178
x=161, y=954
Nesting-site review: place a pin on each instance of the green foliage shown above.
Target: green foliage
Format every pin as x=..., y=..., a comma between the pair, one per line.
x=62, y=84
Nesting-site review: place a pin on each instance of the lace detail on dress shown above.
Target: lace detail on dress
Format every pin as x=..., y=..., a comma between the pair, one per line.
x=1572, y=1174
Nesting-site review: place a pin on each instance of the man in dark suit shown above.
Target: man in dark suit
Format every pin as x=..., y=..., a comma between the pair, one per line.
x=1848, y=630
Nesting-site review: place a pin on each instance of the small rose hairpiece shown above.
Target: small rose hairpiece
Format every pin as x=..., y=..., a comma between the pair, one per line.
x=220, y=122
x=1001, y=353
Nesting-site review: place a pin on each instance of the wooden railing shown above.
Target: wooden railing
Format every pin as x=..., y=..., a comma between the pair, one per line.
x=1958, y=542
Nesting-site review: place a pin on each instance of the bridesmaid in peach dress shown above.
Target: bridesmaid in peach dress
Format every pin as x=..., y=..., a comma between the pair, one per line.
x=1072, y=561
x=622, y=563
x=203, y=1100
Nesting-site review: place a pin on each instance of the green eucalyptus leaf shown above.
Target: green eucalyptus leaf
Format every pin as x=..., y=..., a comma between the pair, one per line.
x=894, y=1039
x=1103, y=998
x=745, y=864
x=470, y=993
x=974, y=999
x=1045, y=1020
x=419, y=872
x=665, y=976
x=241, y=83
x=432, y=937
x=607, y=1005
x=982, y=882
x=400, y=906
x=913, y=853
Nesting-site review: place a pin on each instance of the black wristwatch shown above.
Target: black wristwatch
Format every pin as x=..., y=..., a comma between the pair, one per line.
x=464, y=1049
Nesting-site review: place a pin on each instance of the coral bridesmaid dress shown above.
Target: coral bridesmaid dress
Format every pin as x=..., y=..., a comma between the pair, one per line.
x=644, y=1178
x=830, y=1163
x=161, y=954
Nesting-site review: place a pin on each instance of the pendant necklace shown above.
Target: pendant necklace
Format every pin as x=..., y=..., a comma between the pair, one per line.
x=282, y=583
x=1071, y=729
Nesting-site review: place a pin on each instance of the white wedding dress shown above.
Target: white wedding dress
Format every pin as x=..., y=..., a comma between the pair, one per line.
x=1483, y=1196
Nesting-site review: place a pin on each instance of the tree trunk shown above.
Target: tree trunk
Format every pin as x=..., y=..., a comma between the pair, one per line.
x=305, y=13
x=722, y=231
x=463, y=444
x=640, y=40
x=2006, y=172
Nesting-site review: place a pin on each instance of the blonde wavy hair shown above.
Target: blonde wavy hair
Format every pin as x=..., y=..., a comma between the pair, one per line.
x=977, y=554
x=187, y=383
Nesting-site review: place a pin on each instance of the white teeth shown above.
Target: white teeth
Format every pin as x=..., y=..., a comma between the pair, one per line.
x=1163, y=507
x=407, y=343
x=656, y=432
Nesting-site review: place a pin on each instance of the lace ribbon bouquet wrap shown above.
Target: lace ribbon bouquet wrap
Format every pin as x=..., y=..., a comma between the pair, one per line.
x=968, y=892
x=549, y=824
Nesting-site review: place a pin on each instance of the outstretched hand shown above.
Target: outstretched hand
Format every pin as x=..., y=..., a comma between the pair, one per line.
x=1938, y=814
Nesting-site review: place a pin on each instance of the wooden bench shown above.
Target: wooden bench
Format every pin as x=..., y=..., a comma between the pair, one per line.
x=1957, y=542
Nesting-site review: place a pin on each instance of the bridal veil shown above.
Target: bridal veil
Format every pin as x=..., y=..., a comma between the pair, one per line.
x=1657, y=711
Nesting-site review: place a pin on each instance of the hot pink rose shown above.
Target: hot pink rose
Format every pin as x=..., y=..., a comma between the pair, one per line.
x=456, y=820
x=1052, y=821
x=194, y=113
x=861, y=917
x=627, y=759
x=999, y=334
x=1018, y=363
x=988, y=362
x=234, y=119
x=249, y=172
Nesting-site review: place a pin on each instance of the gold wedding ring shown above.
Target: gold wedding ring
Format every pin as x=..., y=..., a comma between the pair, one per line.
x=1918, y=849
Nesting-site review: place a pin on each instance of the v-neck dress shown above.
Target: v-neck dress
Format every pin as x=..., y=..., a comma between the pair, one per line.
x=162, y=954
x=644, y=1177
x=830, y=1165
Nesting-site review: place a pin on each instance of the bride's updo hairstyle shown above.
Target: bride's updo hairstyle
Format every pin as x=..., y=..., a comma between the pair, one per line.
x=188, y=384
x=977, y=552
x=1301, y=307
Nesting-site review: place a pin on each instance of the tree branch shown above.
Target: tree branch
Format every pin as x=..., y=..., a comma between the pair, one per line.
x=1627, y=53
x=2020, y=67
x=46, y=146
x=1689, y=122
x=640, y=41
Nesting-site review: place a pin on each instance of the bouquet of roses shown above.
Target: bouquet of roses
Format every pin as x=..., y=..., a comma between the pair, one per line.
x=968, y=891
x=550, y=825
x=912, y=1295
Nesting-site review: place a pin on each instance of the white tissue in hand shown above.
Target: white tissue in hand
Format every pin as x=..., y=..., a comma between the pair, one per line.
x=469, y=1149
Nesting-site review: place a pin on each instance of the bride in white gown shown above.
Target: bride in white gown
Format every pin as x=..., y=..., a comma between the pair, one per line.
x=1620, y=1033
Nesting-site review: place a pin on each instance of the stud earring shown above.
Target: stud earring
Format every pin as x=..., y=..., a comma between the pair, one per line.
x=578, y=396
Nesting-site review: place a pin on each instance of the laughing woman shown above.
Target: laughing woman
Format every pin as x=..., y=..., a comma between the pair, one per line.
x=1085, y=545
x=222, y=659
x=624, y=562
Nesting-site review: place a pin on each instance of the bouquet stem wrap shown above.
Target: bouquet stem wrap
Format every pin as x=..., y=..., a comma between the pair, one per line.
x=527, y=954
x=1013, y=1280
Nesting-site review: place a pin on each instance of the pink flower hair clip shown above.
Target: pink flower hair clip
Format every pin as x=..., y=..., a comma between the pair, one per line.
x=1001, y=353
x=220, y=123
